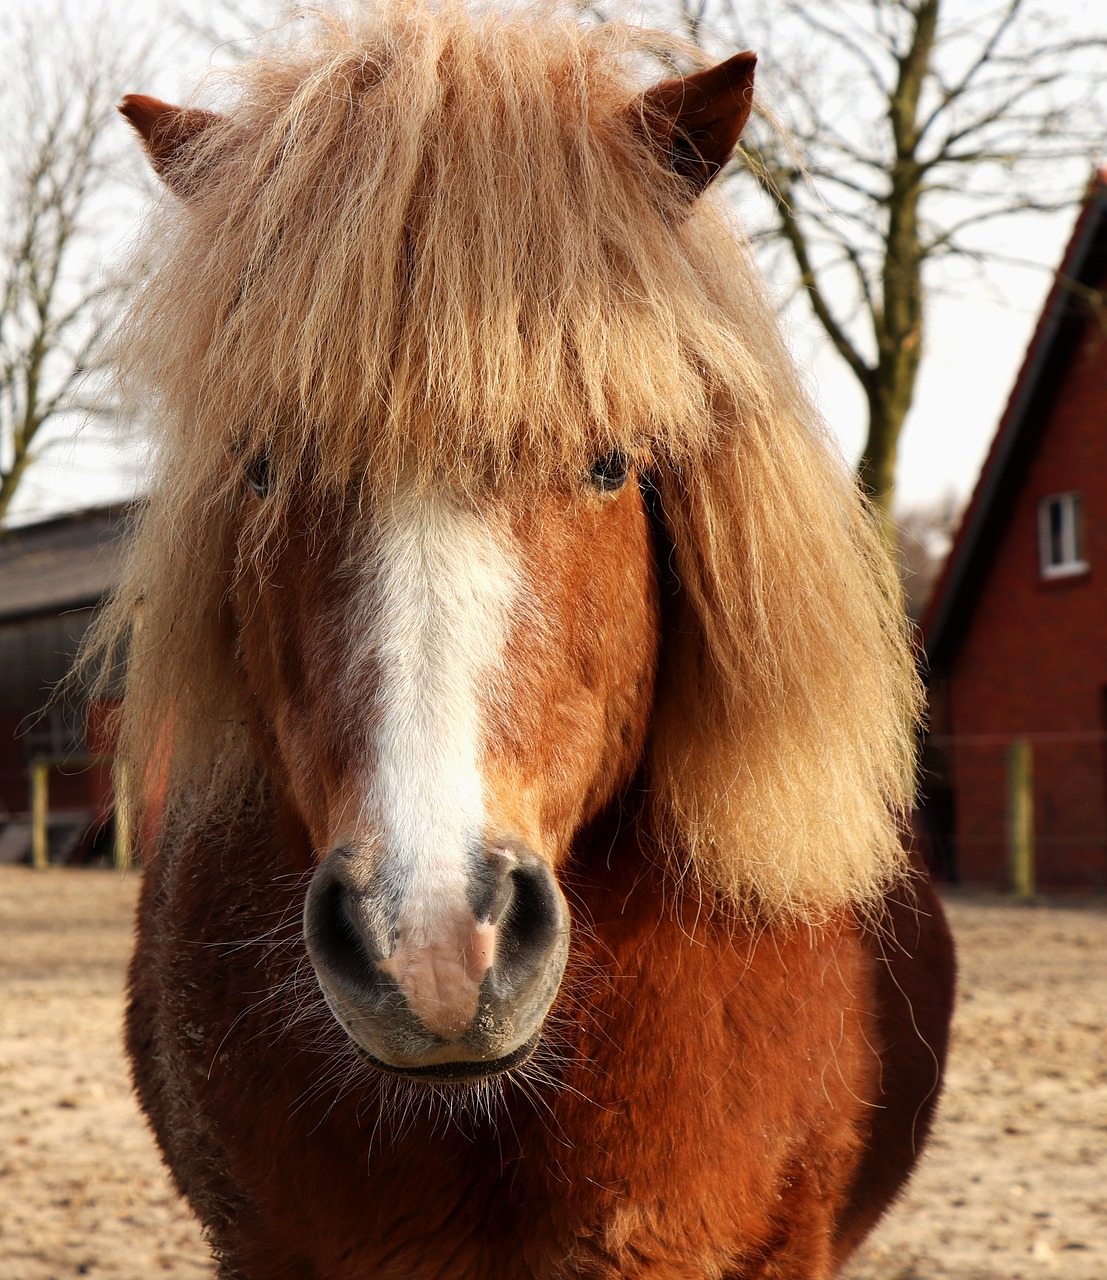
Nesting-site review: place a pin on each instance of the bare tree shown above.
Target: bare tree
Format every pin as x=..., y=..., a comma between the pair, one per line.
x=60, y=191
x=913, y=127
x=237, y=29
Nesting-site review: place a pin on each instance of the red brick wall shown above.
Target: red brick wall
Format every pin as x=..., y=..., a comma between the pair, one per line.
x=1034, y=661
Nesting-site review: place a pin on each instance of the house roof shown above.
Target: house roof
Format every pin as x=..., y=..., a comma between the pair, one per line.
x=70, y=562
x=1045, y=366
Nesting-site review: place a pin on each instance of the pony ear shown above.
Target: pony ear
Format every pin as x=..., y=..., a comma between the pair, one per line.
x=696, y=120
x=168, y=132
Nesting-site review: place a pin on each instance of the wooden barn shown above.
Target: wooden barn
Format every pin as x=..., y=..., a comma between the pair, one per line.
x=1016, y=632
x=53, y=754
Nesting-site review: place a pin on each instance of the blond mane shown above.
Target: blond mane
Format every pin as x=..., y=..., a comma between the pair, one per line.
x=437, y=241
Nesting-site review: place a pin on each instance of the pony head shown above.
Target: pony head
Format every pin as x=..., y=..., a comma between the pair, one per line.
x=491, y=519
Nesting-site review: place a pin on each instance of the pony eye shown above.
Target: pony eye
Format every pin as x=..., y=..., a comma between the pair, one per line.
x=258, y=476
x=610, y=474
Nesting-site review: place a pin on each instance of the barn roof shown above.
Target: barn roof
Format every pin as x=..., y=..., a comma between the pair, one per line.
x=69, y=562
x=1044, y=369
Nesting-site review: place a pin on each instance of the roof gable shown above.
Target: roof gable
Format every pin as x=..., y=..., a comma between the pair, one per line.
x=1048, y=358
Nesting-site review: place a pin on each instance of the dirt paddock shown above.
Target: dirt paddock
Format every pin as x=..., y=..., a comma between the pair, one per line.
x=1014, y=1186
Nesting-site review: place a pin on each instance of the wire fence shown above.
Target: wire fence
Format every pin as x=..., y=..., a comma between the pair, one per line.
x=1025, y=811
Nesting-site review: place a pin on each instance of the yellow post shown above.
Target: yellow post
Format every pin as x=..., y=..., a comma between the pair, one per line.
x=124, y=845
x=40, y=811
x=1020, y=819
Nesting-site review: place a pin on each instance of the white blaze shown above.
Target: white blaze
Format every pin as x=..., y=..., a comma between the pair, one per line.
x=444, y=585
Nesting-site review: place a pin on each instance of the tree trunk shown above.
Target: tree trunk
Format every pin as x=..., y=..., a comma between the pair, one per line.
x=898, y=322
x=877, y=468
x=9, y=481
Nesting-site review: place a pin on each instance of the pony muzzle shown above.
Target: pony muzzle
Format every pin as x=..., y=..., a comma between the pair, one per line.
x=461, y=997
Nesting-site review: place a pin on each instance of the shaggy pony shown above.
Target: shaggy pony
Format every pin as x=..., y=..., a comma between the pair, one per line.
x=442, y=243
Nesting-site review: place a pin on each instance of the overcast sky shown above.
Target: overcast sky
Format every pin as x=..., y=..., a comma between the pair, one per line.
x=977, y=335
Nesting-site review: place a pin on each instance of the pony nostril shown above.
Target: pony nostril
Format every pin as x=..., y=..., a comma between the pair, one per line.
x=336, y=932
x=490, y=889
x=534, y=917
x=531, y=922
x=501, y=895
x=514, y=891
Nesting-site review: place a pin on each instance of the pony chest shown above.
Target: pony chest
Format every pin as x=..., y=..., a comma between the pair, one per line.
x=697, y=1155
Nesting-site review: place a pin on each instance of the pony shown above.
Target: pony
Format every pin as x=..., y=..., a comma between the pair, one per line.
x=518, y=704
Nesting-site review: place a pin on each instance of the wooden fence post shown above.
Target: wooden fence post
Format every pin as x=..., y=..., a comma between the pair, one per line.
x=40, y=813
x=124, y=844
x=1020, y=819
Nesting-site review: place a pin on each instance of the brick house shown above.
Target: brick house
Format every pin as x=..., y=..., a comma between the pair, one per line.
x=1016, y=632
x=52, y=576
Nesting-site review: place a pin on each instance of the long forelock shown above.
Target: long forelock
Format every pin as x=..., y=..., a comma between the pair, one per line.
x=442, y=242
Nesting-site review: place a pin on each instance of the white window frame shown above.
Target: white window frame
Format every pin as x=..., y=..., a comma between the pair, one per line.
x=1062, y=557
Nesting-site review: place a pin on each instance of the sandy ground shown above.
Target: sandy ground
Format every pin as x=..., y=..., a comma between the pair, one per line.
x=1014, y=1186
